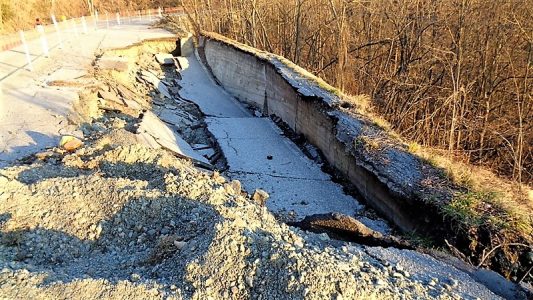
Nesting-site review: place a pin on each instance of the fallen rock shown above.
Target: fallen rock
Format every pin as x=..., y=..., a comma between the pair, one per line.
x=218, y=178
x=260, y=197
x=237, y=186
x=70, y=143
x=180, y=244
x=233, y=188
x=343, y=227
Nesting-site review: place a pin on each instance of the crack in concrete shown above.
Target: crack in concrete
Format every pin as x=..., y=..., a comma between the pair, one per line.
x=278, y=176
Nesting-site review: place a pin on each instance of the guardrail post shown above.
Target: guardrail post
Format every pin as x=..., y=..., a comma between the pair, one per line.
x=58, y=32
x=44, y=42
x=118, y=18
x=95, y=19
x=84, y=24
x=74, y=27
x=26, y=51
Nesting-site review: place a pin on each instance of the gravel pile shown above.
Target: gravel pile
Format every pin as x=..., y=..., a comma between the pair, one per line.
x=116, y=220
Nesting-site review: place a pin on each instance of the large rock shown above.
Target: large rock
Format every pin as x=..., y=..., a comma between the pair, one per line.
x=70, y=143
x=260, y=197
x=344, y=227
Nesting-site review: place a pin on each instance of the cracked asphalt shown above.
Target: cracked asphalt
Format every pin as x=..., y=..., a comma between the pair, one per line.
x=260, y=156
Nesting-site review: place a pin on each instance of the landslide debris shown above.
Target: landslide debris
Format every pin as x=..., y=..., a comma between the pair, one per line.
x=119, y=220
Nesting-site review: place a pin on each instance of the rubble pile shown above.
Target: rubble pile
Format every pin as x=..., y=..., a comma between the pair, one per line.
x=114, y=217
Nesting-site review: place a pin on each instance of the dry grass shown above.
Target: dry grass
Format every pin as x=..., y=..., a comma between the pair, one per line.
x=502, y=202
x=361, y=103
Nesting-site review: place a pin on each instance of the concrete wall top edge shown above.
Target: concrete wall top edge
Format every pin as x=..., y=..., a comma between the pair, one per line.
x=300, y=79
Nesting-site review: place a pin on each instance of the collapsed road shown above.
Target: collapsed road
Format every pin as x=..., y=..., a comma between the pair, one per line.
x=128, y=216
x=258, y=154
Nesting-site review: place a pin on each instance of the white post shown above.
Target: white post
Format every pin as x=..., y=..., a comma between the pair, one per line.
x=159, y=12
x=107, y=20
x=95, y=19
x=140, y=17
x=74, y=27
x=44, y=42
x=58, y=32
x=84, y=24
x=118, y=18
x=150, y=15
x=26, y=50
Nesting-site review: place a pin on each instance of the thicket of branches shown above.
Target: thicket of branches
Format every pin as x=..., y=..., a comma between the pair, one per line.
x=21, y=14
x=451, y=74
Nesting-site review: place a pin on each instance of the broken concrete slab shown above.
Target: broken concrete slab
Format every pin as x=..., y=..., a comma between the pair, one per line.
x=157, y=83
x=289, y=177
x=125, y=92
x=117, y=63
x=173, y=118
x=133, y=104
x=208, y=152
x=183, y=62
x=153, y=129
x=165, y=59
x=300, y=197
x=66, y=74
x=213, y=100
x=259, y=156
x=200, y=146
x=109, y=96
x=256, y=145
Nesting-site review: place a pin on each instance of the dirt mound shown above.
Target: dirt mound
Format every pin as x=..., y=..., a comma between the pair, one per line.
x=129, y=221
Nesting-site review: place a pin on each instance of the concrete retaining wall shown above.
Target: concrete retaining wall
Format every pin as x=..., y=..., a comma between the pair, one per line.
x=243, y=75
x=263, y=81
